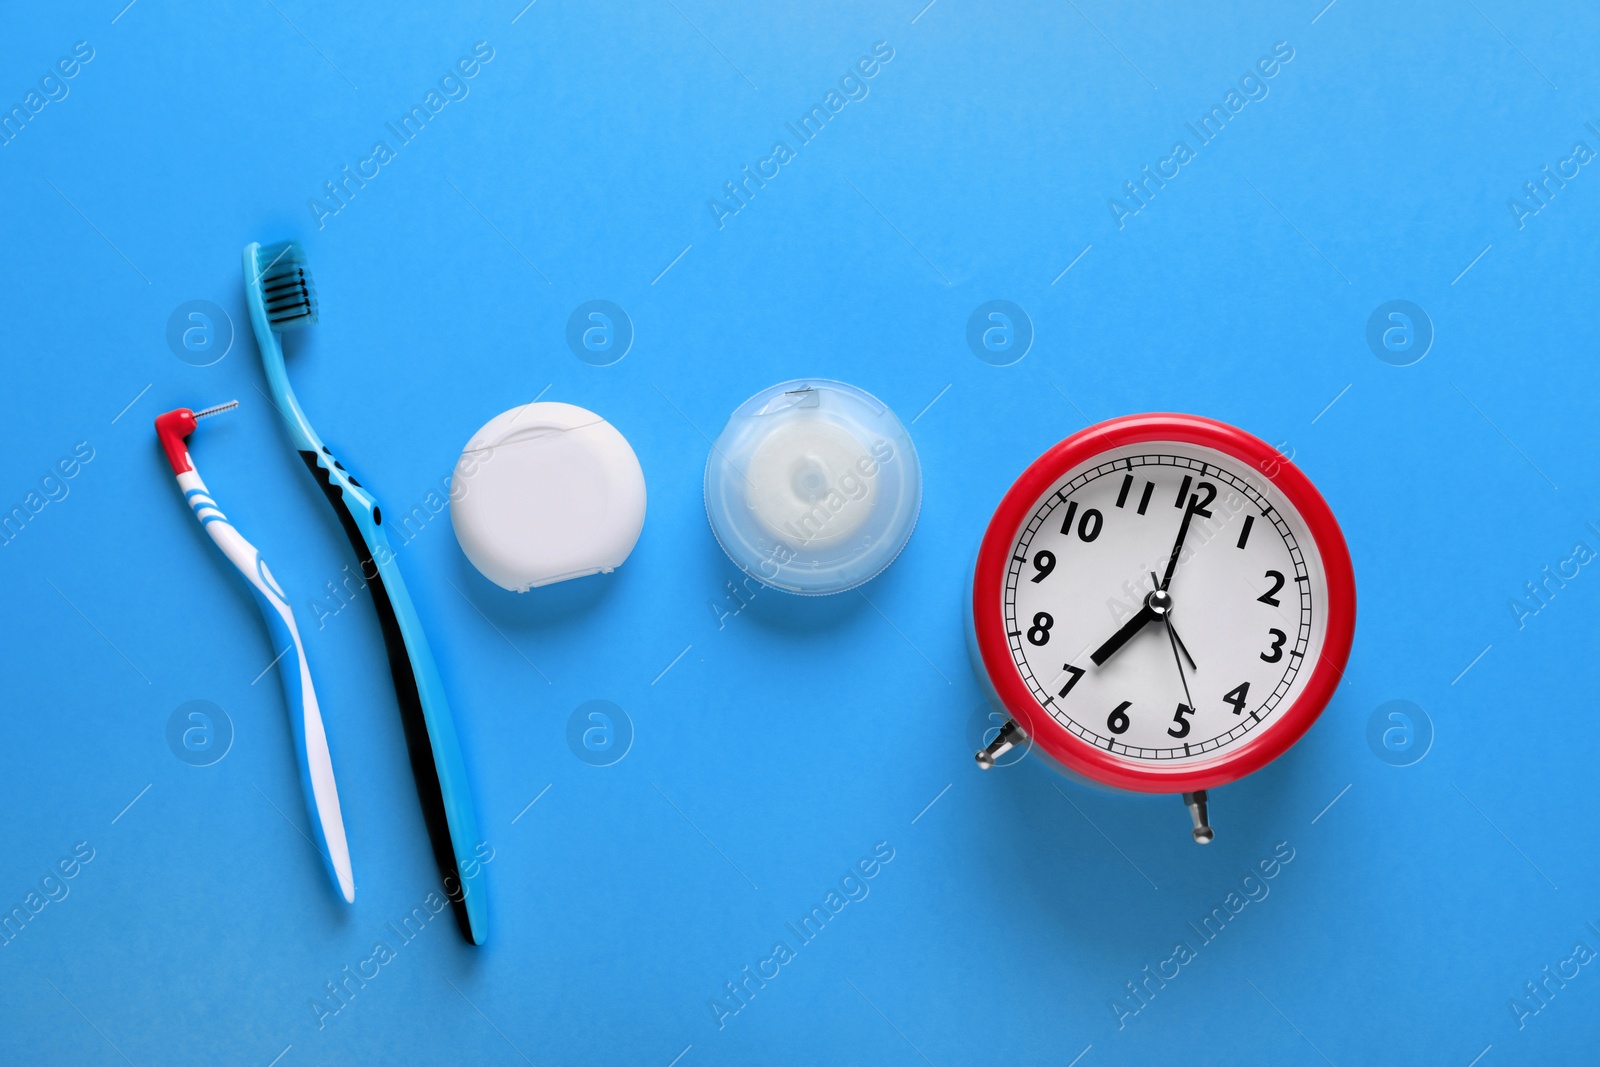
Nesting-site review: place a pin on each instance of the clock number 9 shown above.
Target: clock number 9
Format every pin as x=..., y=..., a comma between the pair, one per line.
x=1039, y=632
x=1044, y=562
x=1117, y=721
x=1279, y=637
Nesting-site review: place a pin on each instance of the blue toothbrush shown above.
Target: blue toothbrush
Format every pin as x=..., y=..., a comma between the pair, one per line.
x=281, y=298
x=305, y=716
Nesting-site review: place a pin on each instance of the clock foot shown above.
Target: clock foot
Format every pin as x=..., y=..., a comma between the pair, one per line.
x=1003, y=742
x=1196, y=803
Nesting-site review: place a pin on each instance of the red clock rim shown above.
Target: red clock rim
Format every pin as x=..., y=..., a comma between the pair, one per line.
x=994, y=555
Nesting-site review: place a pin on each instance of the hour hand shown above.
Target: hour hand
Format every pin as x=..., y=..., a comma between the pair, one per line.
x=1120, y=638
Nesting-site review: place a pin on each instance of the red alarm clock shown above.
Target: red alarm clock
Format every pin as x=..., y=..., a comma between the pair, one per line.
x=1162, y=603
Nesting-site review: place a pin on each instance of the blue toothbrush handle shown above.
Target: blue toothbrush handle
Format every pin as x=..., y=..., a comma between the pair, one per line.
x=430, y=729
x=279, y=293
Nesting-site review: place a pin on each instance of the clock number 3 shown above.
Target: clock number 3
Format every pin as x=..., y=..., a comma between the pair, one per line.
x=1278, y=638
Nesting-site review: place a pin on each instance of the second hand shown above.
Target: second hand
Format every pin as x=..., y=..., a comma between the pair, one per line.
x=1173, y=638
x=1177, y=642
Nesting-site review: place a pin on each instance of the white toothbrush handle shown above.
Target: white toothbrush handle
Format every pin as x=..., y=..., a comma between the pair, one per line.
x=311, y=740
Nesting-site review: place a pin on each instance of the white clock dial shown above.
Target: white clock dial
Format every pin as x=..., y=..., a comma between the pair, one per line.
x=1247, y=601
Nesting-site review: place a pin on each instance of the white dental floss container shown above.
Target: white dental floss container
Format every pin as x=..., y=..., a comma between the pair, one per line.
x=546, y=492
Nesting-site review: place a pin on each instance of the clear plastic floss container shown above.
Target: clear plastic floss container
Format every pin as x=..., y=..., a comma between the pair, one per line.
x=813, y=486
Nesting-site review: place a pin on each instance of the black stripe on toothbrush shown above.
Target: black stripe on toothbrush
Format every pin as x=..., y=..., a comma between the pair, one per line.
x=418, y=744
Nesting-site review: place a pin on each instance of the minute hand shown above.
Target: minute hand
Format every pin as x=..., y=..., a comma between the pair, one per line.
x=1120, y=638
x=1177, y=546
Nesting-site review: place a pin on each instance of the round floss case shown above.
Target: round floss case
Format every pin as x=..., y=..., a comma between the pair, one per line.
x=546, y=492
x=813, y=486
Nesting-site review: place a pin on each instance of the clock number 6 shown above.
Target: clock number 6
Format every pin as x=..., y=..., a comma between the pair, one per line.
x=1039, y=632
x=1117, y=721
x=1181, y=728
x=1279, y=637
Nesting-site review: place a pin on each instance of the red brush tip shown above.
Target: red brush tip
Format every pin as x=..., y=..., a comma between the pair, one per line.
x=174, y=429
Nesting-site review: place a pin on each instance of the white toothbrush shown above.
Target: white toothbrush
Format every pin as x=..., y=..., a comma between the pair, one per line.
x=311, y=741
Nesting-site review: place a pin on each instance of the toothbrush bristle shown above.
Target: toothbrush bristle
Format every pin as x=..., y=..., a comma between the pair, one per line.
x=286, y=286
x=216, y=409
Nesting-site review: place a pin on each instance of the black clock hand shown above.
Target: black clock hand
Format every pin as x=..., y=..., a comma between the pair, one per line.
x=1172, y=637
x=1179, y=642
x=1167, y=616
x=1120, y=638
x=1177, y=546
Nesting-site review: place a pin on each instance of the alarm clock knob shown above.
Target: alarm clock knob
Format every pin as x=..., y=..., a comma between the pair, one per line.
x=1196, y=803
x=1004, y=741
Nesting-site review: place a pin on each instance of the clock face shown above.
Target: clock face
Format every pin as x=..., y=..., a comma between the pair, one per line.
x=1209, y=656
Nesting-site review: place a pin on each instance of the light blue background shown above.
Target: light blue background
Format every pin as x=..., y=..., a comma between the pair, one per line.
x=776, y=746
